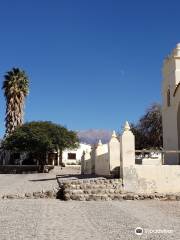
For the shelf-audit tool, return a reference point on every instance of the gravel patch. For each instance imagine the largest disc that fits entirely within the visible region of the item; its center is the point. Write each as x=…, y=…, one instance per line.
x=36, y=182
x=53, y=219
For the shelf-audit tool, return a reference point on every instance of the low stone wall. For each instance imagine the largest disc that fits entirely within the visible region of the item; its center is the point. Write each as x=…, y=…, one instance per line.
x=33, y=195
x=102, y=189
x=96, y=189
x=90, y=189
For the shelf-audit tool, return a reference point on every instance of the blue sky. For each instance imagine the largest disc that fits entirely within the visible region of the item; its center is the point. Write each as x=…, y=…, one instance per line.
x=91, y=63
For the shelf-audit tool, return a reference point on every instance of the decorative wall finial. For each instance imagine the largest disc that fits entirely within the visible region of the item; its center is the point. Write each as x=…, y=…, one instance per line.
x=99, y=143
x=126, y=126
x=178, y=45
x=113, y=134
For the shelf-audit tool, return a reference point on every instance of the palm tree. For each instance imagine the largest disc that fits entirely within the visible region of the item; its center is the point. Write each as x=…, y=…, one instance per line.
x=16, y=88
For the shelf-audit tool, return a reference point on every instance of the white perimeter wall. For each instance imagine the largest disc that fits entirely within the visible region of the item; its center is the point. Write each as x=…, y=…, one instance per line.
x=150, y=179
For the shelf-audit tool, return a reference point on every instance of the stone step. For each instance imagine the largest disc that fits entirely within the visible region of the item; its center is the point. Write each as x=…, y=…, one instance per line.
x=91, y=189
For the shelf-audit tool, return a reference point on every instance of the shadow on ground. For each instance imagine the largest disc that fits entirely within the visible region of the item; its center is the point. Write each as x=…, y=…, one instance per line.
x=75, y=176
x=43, y=179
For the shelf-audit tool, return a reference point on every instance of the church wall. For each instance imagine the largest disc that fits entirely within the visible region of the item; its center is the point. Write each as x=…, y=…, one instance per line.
x=170, y=134
x=171, y=77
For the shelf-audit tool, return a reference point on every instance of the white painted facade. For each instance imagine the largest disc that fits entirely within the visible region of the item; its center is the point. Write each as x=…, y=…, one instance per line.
x=73, y=156
x=103, y=159
x=171, y=105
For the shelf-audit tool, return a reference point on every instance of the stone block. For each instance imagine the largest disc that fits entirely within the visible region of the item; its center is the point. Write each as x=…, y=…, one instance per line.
x=81, y=198
x=49, y=194
x=128, y=197
x=77, y=192
x=73, y=186
x=151, y=196
x=74, y=197
x=141, y=196
x=86, y=196
x=177, y=197
x=118, y=197
x=160, y=195
x=96, y=197
x=87, y=191
x=111, y=196
x=104, y=197
x=91, y=197
x=37, y=194
x=116, y=191
x=21, y=196
x=67, y=197
x=136, y=197
x=28, y=195
x=88, y=186
x=106, y=191
x=111, y=191
x=11, y=196
x=171, y=197
x=93, y=191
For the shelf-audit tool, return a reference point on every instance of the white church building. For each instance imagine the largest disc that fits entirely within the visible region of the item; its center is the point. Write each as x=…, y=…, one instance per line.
x=171, y=105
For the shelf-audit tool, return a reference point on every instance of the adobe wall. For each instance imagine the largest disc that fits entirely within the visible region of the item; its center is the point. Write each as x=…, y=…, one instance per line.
x=145, y=178
x=102, y=160
x=150, y=179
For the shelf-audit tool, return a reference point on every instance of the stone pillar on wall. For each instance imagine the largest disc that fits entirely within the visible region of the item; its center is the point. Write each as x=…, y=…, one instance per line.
x=102, y=167
x=127, y=163
x=93, y=156
x=86, y=162
x=114, y=152
x=82, y=163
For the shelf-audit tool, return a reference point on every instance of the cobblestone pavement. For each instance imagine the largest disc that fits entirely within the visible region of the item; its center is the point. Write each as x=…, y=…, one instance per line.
x=22, y=183
x=53, y=220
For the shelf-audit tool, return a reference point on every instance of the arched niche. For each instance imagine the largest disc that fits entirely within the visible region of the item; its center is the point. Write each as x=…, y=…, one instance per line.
x=168, y=98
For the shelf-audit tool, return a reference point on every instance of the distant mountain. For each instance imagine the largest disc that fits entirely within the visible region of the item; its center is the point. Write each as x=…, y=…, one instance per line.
x=92, y=136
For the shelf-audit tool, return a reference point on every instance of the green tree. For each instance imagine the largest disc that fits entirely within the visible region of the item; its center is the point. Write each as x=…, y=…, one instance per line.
x=148, y=130
x=16, y=88
x=41, y=137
